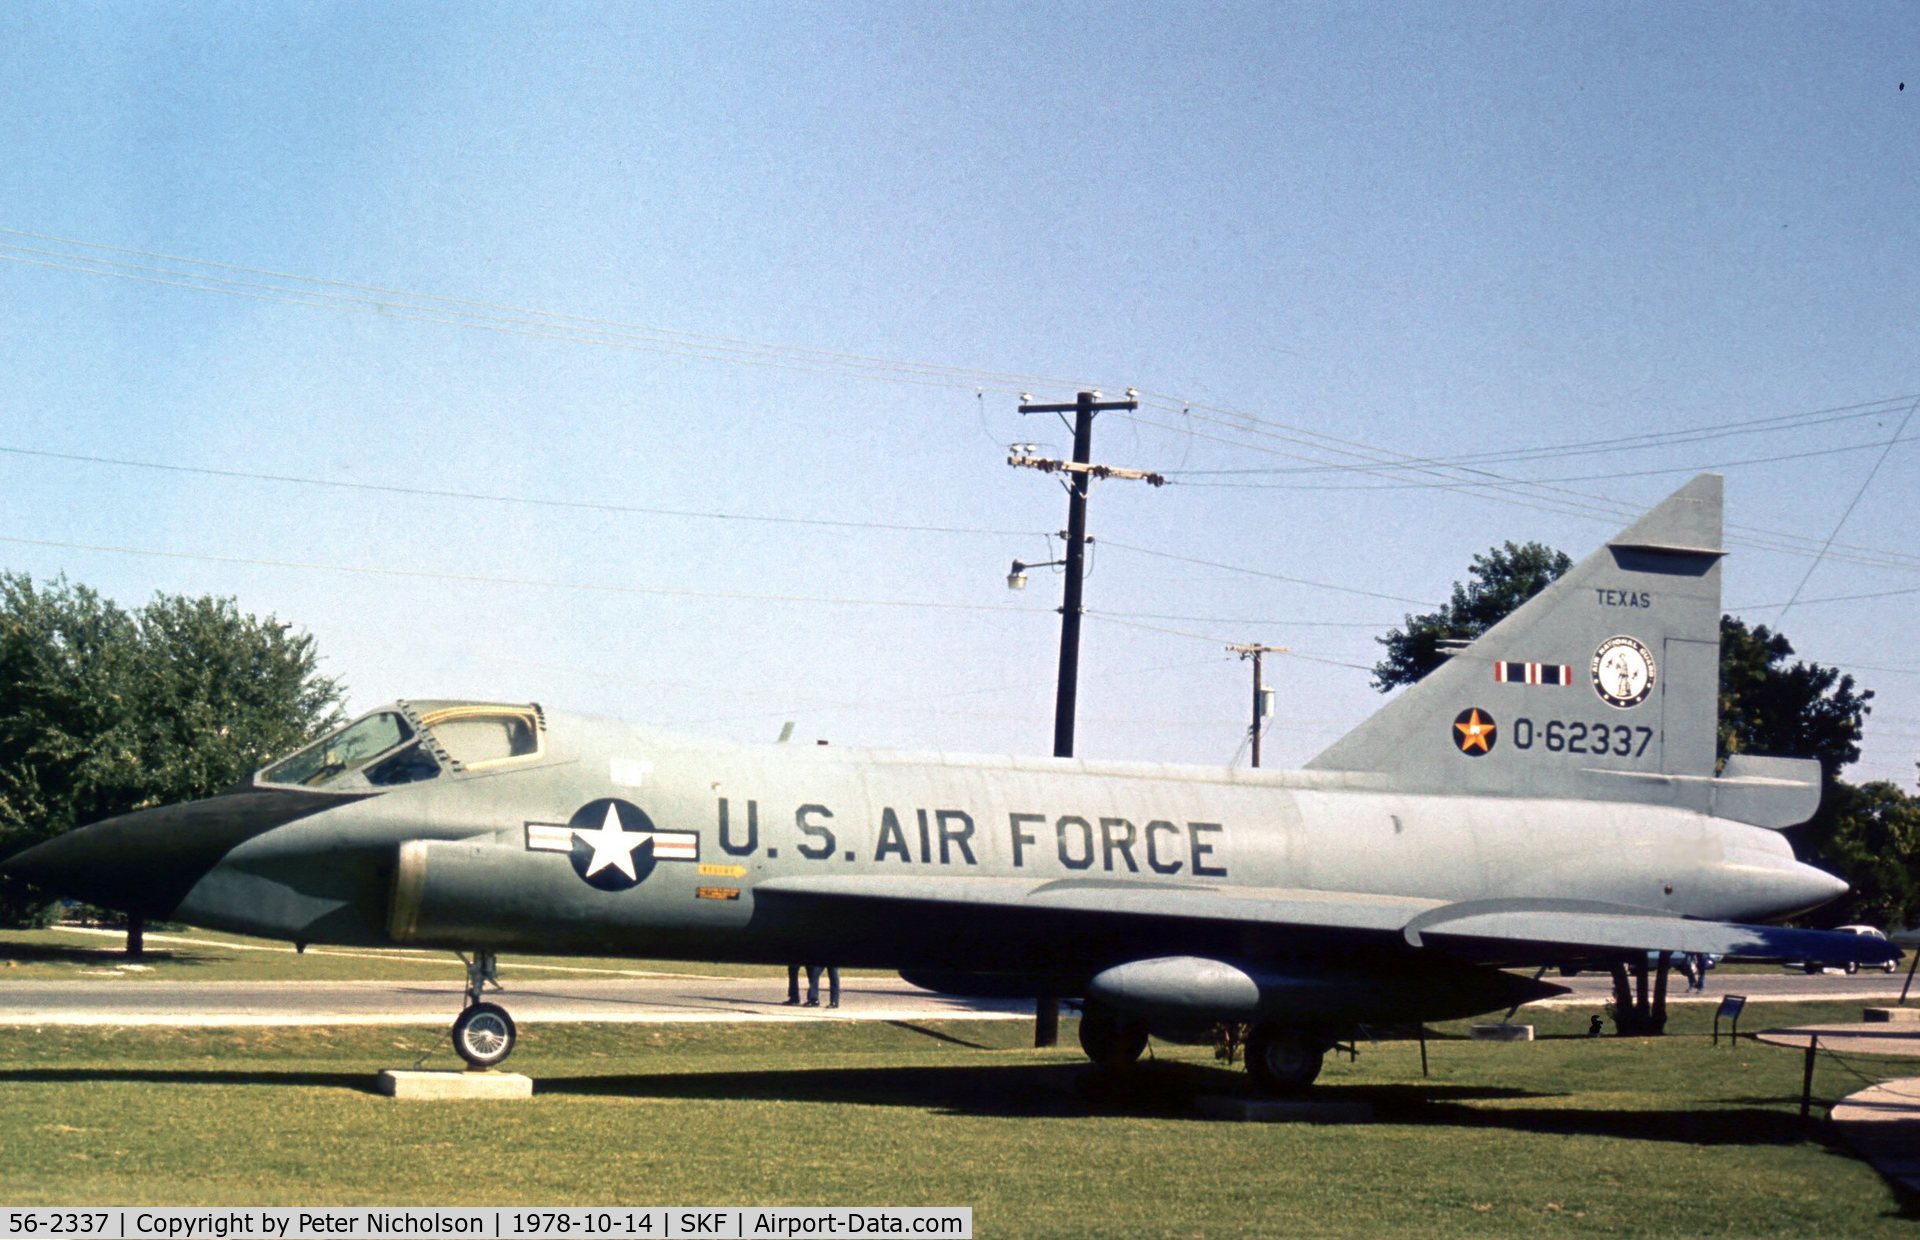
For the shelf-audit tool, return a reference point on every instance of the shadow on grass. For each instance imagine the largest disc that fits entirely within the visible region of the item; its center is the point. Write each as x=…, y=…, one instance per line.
x=1168, y=1091
x=358, y=1082
x=1066, y=1091
x=938, y=1035
x=1153, y=1089
x=44, y=953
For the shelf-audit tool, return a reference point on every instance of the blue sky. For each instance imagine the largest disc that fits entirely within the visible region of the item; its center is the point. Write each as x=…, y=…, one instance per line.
x=1311, y=235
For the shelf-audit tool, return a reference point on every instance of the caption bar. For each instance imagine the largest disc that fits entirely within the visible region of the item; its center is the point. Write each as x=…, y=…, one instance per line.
x=488, y=1223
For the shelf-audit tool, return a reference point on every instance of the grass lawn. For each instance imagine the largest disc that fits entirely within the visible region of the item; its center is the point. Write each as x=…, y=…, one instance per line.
x=1565, y=1135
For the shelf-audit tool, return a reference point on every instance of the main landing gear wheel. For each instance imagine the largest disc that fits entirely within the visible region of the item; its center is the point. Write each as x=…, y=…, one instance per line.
x=1283, y=1060
x=484, y=1034
x=1112, y=1041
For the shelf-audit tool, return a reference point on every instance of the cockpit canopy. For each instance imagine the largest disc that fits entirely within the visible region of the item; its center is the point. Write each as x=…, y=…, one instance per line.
x=413, y=741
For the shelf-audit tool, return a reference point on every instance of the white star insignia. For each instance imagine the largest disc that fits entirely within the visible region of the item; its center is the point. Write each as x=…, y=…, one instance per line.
x=613, y=845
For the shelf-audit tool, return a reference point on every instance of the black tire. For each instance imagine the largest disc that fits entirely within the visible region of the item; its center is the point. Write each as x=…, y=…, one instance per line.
x=1112, y=1041
x=1887, y=967
x=1284, y=1060
x=1853, y=967
x=1811, y=968
x=484, y=1035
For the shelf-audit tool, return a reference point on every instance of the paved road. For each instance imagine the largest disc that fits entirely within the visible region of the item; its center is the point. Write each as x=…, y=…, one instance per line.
x=1837, y=987
x=131, y=1001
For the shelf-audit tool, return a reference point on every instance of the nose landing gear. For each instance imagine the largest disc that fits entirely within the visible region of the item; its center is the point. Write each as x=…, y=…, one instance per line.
x=484, y=1034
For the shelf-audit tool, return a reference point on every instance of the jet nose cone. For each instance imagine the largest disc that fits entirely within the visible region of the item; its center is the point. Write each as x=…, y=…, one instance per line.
x=1805, y=887
x=94, y=864
x=146, y=862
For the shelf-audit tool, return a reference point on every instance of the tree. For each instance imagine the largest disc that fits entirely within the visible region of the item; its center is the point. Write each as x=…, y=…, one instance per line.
x=1501, y=580
x=1869, y=835
x=103, y=711
x=1766, y=707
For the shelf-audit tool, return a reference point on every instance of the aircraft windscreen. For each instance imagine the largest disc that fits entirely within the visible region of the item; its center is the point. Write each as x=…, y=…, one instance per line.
x=346, y=750
x=478, y=738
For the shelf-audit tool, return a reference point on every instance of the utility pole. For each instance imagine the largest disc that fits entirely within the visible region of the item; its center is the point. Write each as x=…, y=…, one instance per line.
x=1080, y=473
x=1262, y=696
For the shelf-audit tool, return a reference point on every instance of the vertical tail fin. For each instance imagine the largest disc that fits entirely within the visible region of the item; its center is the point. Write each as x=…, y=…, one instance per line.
x=1605, y=685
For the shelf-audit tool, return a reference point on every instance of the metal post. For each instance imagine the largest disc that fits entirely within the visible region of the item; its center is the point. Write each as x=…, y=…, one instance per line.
x=1806, y=1080
x=1909, y=982
x=1658, y=1015
x=1423, y=1050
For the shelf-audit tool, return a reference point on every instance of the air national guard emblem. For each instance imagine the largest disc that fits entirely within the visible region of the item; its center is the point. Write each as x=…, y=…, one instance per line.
x=1623, y=672
x=1474, y=732
x=613, y=844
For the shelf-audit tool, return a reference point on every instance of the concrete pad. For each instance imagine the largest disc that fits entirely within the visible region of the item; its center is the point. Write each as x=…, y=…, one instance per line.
x=1891, y=1015
x=1882, y=1124
x=1283, y=1110
x=406, y=1083
x=1502, y=1033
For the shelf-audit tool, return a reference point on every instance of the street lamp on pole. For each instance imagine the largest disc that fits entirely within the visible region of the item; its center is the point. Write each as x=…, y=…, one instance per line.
x=1017, y=577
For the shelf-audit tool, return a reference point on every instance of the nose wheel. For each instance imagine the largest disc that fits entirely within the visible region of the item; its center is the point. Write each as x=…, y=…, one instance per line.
x=484, y=1034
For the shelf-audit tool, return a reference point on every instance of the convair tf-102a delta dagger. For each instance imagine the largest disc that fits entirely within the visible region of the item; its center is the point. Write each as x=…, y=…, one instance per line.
x=1546, y=798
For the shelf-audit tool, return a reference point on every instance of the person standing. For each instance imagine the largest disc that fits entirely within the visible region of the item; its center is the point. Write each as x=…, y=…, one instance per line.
x=833, y=985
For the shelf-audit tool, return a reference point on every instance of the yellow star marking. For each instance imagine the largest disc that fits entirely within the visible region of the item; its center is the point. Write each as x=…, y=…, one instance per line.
x=1473, y=733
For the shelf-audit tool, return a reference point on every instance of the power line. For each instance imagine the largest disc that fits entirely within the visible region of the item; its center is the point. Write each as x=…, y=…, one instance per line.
x=715, y=515
x=1255, y=572
x=526, y=500
x=1112, y=618
x=1464, y=484
x=207, y=276
x=374, y=570
x=1628, y=443
x=1538, y=497
x=1851, y=505
x=1376, y=626
x=377, y=570
x=264, y=284
x=593, y=506
x=1832, y=598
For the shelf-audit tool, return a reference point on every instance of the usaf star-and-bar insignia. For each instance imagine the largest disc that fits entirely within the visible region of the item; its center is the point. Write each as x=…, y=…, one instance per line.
x=612, y=843
x=1474, y=732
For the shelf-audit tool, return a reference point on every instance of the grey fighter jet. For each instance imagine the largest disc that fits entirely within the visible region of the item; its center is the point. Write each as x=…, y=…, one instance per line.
x=1546, y=798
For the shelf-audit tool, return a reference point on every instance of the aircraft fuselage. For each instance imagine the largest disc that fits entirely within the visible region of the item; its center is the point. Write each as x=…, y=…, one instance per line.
x=525, y=860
